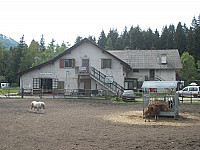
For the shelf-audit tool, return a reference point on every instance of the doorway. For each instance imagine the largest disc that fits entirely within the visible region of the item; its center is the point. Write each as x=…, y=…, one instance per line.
x=152, y=74
x=46, y=84
x=85, y=84
x=85, y=63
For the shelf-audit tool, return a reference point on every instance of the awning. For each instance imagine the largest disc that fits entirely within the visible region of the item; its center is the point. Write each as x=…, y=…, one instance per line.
x=159, y=84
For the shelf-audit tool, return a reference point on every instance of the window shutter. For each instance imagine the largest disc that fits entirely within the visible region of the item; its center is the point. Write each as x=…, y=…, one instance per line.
x=62, y=63
x=73, y=63
x=101, y=63
x=110, y=63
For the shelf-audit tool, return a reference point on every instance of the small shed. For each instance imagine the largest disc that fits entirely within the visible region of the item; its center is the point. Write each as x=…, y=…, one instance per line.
x=157, y=92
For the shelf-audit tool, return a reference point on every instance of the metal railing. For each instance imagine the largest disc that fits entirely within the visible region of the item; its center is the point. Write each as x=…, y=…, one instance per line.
x=155, y=78
x=102, y=78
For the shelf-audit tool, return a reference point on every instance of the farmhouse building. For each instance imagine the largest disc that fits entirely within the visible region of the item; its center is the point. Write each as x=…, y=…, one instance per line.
x=87, y=66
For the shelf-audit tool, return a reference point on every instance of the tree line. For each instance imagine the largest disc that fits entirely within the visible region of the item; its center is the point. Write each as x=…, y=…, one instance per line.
x=24, y=57
x=185, y=39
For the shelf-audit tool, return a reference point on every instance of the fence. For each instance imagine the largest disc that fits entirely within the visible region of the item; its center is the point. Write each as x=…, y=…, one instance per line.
x=8, y=92
x=188, y=97
x=65, y=93
x=79, y=93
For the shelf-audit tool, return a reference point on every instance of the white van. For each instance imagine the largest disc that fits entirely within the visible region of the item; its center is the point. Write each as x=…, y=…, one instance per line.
x=5, y=85
x=188, y=90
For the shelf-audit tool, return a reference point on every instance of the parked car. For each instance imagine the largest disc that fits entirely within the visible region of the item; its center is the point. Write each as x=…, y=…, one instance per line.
x=128, y=95
x=188, y=90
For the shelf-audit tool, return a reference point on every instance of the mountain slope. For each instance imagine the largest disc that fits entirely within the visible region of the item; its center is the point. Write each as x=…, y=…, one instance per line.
x=7, y=42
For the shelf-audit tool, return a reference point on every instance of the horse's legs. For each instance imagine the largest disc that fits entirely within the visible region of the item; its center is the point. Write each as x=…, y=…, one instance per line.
x=31, y=107
x=156, y=117
x=37, y=109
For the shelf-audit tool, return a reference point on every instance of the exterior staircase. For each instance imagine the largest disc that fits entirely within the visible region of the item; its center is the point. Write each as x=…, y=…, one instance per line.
x=158, y=78
x=101, y=78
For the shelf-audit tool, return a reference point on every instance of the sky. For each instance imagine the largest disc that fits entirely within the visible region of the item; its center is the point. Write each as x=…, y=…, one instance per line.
x=64, y=20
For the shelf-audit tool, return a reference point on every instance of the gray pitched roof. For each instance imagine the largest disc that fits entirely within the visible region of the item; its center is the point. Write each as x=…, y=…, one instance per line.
x=149, y=59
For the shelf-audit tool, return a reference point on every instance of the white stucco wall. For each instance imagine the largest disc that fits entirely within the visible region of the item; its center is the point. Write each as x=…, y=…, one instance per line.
x=167, y=75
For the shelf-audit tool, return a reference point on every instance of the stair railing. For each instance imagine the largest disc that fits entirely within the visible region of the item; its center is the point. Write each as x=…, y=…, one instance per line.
x=101, y=77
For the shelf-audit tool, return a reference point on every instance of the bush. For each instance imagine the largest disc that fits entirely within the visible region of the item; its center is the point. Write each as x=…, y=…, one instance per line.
x=14, y=85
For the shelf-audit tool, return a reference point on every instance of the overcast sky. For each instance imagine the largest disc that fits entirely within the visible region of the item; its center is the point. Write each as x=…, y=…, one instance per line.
x=64, y=20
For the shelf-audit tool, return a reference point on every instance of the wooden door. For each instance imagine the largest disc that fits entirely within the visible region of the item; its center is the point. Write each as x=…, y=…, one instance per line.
x=87, y=84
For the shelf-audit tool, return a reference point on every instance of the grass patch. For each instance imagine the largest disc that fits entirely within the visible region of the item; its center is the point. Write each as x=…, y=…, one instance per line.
x=9, y=90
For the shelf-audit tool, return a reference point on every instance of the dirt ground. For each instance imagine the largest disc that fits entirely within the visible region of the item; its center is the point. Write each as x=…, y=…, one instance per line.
x=94, y=124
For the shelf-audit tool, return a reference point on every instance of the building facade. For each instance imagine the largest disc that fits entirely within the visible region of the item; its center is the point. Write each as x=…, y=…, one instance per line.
x=86, y=66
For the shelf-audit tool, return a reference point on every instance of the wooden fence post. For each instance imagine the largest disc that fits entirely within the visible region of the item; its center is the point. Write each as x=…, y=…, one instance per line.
x=22, y=92
x=182, y=98
x=191, y=98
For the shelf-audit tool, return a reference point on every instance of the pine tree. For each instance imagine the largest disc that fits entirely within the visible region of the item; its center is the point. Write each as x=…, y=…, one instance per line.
x=135, y=35
x=19, y=52
x=147, y=39
x=78, y=39
x=42, y=44
x=33, y=54
x=163, y=38
x=197, y=39
x=170, y=37
x=92, y=38
x=119, y=44
x=125, y=39
x=28, y=56
x=12, y=66
x=191, y=42
x=180, y=39
x=113, y=35
x=1, y=59
x=109, y=44
x=156, y=40
x=102, y=40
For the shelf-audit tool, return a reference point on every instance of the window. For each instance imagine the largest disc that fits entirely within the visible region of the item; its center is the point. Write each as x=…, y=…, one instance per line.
x=45, y=83
x=67, y=63
x=60, y=84
x=193, y=89
x=55, y=83
x=36, y=83
x=163, y=59
x=105, y=63
x=185, y=89
x=135, y=70
x=130, y=84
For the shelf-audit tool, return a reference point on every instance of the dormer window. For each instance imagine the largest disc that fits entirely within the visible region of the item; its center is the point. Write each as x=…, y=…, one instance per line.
x=163, y=59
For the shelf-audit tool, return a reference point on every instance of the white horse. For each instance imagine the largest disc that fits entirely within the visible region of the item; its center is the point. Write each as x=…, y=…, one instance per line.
x=37, y=105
